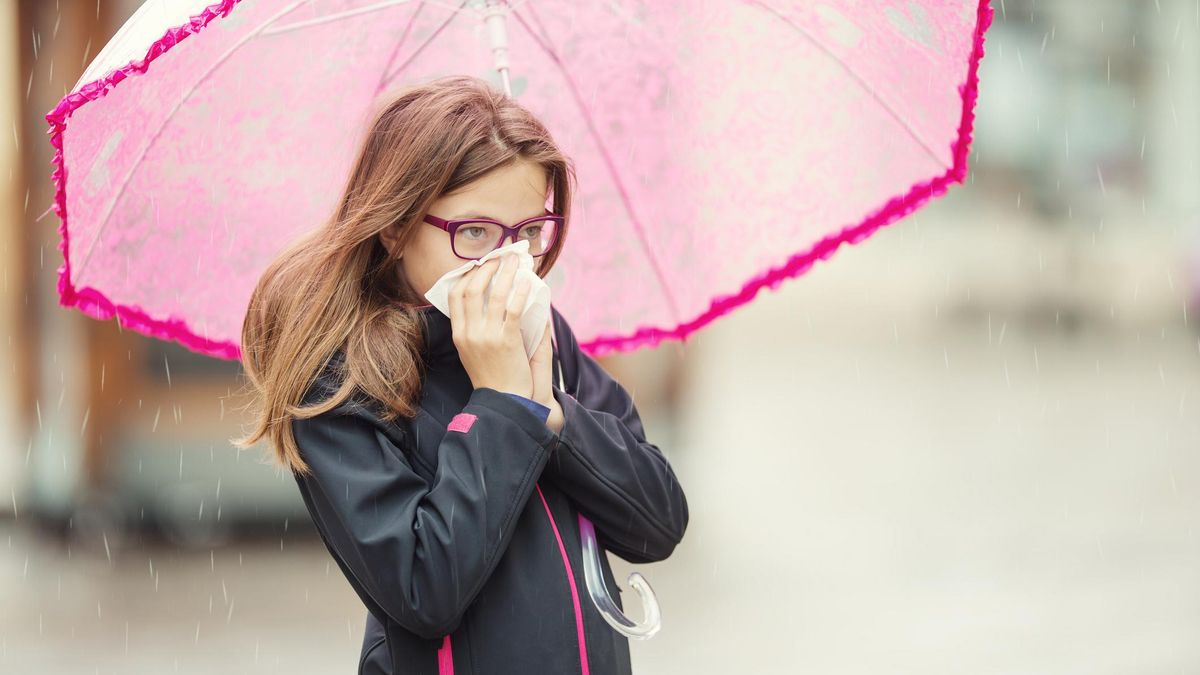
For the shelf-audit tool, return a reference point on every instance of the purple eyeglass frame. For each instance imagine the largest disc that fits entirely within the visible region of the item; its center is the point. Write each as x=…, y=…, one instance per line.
x=451, y=227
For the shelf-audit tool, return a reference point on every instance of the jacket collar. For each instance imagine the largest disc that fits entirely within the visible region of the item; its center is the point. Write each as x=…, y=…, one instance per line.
x=439, y=338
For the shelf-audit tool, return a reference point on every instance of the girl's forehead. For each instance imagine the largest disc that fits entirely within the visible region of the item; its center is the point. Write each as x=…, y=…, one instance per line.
x=502, y=194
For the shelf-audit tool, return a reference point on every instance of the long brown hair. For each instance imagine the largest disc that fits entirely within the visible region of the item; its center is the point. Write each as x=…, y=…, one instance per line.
x=337, y=288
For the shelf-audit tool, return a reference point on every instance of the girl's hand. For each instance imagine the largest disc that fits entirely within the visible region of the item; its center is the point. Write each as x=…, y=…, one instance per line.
x=489, y=343
x=542, y=372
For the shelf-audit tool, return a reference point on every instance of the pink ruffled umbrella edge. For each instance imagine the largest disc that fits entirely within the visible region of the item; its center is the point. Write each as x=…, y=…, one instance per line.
x=91, y=301
x=893, y=210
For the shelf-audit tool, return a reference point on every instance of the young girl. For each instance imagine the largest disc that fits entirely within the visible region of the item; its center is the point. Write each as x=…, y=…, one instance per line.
x=443, y=470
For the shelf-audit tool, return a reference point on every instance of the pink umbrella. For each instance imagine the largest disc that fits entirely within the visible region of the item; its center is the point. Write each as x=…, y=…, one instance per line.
x=720, y=146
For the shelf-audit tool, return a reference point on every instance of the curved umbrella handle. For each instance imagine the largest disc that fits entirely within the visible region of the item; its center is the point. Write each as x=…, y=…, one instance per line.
x=601, y=598
x=652, y=619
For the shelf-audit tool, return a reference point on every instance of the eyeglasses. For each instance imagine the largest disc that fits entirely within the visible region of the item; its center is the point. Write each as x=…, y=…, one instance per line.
x=473, y=238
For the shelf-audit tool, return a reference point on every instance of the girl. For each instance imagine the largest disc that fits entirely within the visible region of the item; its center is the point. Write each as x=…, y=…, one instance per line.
x=444, y=472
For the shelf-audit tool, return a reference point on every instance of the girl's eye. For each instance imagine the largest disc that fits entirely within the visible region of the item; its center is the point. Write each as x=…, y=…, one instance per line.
x=479, y=231
x=532, y=232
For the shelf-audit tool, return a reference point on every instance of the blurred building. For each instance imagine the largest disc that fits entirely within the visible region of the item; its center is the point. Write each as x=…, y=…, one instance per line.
x=113, y=433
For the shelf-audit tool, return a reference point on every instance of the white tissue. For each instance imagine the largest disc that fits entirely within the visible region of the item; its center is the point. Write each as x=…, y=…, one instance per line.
x=537, y=303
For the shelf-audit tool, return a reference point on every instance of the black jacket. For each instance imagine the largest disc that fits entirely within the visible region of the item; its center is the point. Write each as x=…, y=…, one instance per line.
x=459, y=528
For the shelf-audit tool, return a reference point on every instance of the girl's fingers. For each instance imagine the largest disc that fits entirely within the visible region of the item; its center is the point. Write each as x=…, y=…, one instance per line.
x=497, y=305
x=541, y=367
x=473, y=295
x=516, y=306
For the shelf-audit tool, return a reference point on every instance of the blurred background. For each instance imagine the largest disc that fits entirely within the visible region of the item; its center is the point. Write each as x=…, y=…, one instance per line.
x=968, y=443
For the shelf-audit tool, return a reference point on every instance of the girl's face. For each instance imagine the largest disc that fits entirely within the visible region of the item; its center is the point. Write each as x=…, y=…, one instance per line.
x=508, y=194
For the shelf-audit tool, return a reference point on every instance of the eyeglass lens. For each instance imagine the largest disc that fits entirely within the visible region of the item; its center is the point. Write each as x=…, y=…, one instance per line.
x=476, y=239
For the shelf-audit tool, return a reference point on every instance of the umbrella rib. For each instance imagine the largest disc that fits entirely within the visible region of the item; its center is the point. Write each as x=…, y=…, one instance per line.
x=612, y=169
x=388, y=77
x=163, y=125
x=857, y=78
x=383, y=77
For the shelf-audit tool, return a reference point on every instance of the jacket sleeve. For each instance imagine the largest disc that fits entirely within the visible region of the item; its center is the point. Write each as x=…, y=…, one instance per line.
x=617, y=479
x=419, y=551
x=542, y=411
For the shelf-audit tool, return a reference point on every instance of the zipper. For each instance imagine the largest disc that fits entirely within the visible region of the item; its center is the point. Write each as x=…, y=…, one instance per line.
x=583, y=660
x=445, y=658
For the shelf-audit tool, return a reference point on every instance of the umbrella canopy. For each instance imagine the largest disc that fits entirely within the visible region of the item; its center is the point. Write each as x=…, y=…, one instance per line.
x=720, y=146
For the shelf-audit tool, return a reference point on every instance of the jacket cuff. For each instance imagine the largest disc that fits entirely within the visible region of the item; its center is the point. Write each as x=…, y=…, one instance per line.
x=538, y=409
x=516, y=411
x=570, y=408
